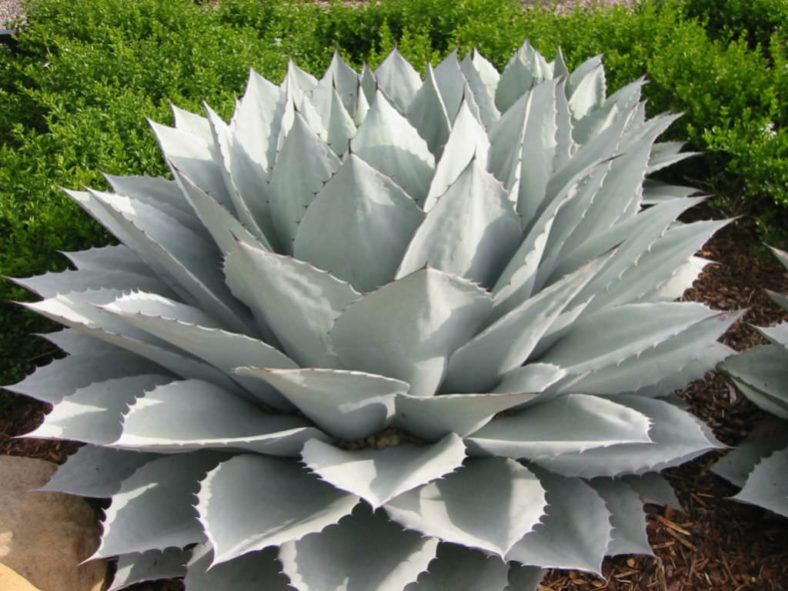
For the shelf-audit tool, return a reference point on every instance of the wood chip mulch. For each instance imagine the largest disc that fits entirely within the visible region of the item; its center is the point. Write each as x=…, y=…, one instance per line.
x=709, y=543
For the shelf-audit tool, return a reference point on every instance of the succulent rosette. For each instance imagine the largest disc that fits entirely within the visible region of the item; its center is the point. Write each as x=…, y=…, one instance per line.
x=759, y=465
x=385, y=332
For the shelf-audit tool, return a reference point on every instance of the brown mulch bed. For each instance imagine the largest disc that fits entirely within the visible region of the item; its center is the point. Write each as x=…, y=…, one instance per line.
x=709, y=543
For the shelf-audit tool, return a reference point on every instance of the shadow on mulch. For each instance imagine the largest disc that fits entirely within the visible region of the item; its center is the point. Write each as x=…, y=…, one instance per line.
x=709, y=543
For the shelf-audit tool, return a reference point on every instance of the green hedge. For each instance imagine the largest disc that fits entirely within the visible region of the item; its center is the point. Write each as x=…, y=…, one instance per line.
x=90, y=72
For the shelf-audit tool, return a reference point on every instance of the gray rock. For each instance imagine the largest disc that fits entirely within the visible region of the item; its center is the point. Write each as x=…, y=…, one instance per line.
x=45, y=536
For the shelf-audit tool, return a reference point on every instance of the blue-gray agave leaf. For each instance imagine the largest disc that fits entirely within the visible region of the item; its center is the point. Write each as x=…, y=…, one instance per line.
x=760, y=464
x=385, y=332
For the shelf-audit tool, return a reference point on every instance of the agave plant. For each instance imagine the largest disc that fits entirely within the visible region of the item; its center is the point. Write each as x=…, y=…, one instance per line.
x=760, y=464
x=385, y=332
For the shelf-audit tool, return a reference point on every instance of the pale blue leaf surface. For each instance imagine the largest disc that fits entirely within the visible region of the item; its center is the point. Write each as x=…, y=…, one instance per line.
x=569, y=423
x=192, y=123
x=398, y=80
x=429, y=114
x=487, y=73
x=471, y=231
x=149, y=566
x=252, y=501
x=189, y=415
x=451, y=83
x=363, y=551
x=763, y=368
x=303, y=165
x=197, y=157
x=477, y=87
x=50, y=284
x=478, y=365
x=586, y=87
x=222, y=225
x=82, y=311
x=387, y=141
x=652, y=487
x=458, y=567
x=62, y=377
x=612, y=335
x=299, y=302
x=573, y=534
x=93, y=414
x=626, y=516
x=408, y=328
x=347, y=404
x=94, y=471
x=676, y=437
x=525, y=578
x=538, y=148
x=344, y=79
x=183, y=326
x=159, y=192
x=487, y=504
x=153, y=510
x=242, y=182
x=251, y=572
x=189, y=263
x=436, y=416
x=665, y=367
x=358, y=226
x=379, y=475
x=467, y=140
x=768, y=436
x=526, y=68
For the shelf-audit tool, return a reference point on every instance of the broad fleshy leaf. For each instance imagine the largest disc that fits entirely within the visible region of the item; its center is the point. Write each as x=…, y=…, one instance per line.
x=299, y=302
x=767, y=437
x=62, y=377
x=93, y=414
x=434, y=417
x=765, y=485
x=388, y=141
x=513, y=503
x=429, y=114
x=363, y=551
x=569, y=423
x=573, y=531
x=358, y=226
x=153, y=508
x=458, y=567
x=408, y=328
x=346, y=404
x=186, y=328
x=676, y=437
x=191, y=414
x=379, y=475
x=508, y=342
x=471, y=231
x=94, y=471
x=626, y=516
x=762, y=370
x=467, y=140
x=398, y=79
x=285, y=504
x=293, y=185
x=149, y=566
x=250, y=572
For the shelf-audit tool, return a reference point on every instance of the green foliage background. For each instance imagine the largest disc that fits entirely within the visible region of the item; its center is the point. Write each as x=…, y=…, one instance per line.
x=75, y=99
